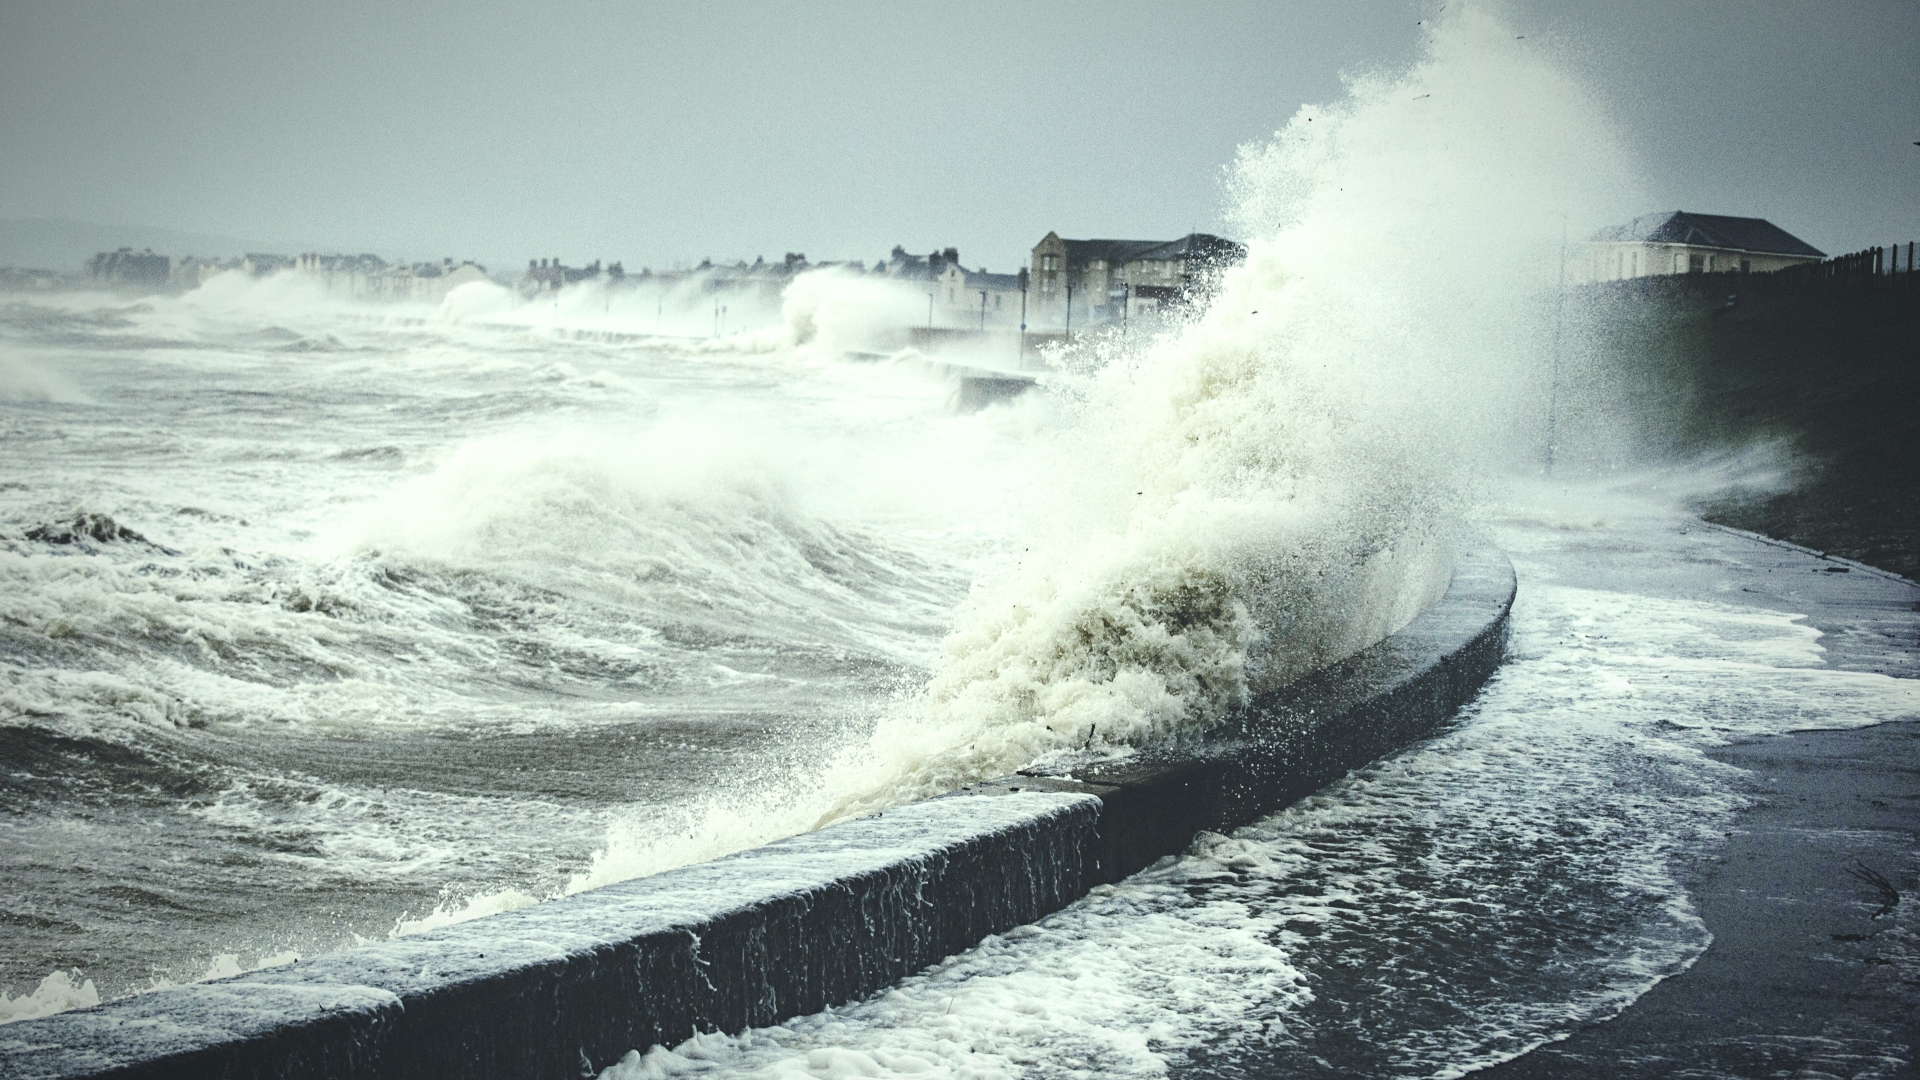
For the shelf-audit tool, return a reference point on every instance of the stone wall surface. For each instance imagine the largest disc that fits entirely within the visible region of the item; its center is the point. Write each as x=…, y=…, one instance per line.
x=564, y=988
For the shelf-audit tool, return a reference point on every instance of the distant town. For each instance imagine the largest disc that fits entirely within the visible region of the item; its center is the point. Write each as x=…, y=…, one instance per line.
x=1066, y=284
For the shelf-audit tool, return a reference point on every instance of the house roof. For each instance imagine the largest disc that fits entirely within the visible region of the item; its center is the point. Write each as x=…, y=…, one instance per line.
x=1192, y=245
x=1081, y=251
x=1757, y=235
x=980, y=279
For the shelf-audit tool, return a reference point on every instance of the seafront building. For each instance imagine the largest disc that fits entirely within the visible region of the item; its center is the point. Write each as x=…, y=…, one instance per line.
x=976, y=297
x=369, y=277
x=363, y=277
x=127, y=267
x=1081, y=282
x=1679, y=242
x=1078, y=282
x=1068, y=284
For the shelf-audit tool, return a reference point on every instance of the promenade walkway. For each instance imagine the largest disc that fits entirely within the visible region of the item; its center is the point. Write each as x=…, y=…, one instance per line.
x=1813, y=968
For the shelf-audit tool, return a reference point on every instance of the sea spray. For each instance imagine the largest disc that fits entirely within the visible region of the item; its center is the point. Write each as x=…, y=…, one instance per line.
x=1271, y=484
x=1298, y=450
x=58, y=992
x=423, y=606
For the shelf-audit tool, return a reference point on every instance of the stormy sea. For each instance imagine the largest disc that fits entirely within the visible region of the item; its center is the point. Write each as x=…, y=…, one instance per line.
x=325, y=621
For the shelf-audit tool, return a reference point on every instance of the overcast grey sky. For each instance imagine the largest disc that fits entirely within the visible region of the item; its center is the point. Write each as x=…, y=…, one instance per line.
x=656, y=133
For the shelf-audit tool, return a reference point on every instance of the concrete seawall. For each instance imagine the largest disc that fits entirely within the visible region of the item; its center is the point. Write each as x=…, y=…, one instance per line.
x=567, y=987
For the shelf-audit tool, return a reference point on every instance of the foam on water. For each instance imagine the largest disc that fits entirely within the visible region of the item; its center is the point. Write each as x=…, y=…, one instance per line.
x=303, y=599
x=1451, y=907
x=58, y=992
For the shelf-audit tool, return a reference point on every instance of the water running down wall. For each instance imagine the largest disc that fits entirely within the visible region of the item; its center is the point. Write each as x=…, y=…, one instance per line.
x=565, y=988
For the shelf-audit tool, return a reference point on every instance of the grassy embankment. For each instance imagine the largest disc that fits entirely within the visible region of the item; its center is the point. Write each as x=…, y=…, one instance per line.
x=1831, y=370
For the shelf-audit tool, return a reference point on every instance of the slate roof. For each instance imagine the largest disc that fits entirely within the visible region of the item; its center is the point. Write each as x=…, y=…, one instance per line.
x=1192, y=245
x=1758, y=235
x=1196, y=246
x=980, y=279
x=1114, y=251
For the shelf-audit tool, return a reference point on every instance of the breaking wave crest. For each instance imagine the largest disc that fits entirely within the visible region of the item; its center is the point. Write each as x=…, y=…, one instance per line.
x=1271, y=485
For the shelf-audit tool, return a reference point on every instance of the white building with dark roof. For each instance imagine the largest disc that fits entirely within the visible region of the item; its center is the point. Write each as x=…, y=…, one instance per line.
x=1108, y=280
x=976, y=298
x=1679, y=242
x=127, y=267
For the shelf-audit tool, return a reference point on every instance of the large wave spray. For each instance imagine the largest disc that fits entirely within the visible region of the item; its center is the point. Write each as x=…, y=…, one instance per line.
x=1272, y=485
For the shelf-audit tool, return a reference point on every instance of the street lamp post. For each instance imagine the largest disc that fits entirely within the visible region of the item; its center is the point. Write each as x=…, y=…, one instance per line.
x=1553, y=376
x=1021, y=356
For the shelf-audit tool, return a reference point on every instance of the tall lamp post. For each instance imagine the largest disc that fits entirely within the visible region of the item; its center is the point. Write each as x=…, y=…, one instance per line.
x=1021, y=356
x=1553, y=377
x=1069, y=311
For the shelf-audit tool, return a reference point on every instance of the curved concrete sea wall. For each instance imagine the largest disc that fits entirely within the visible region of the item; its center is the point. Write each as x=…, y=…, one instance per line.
x=565, y=988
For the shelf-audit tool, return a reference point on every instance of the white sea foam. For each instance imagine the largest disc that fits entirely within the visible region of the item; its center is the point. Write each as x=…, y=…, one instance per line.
x=1442, y=910
x=58, y=992
x=832, y=311
x=1312, y=431
x=375, y=538
x=685, y=312
x=22, y=379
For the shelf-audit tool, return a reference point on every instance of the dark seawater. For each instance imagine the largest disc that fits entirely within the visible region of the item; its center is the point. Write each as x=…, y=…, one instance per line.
x=1499, y=886
x=320, y=622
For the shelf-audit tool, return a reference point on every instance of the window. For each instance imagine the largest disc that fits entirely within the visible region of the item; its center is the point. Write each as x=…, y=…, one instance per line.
x=1049, y=262
x=1696, y=263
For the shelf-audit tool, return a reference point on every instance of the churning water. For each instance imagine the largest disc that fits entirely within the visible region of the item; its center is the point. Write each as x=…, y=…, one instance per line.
x=1497, y=887
x=316, y=621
